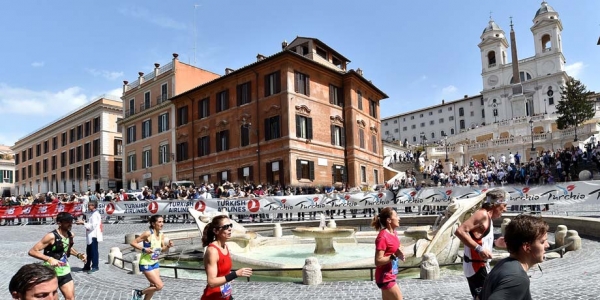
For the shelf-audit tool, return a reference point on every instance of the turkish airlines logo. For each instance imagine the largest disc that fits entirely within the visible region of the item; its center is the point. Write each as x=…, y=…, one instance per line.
x=153, y=207
x=43, y=209
x=78, y=207
x=253, y=205
x=110, y=208
x=61, y=208
x=10, y=211
x=200, y=206
x=27, y=210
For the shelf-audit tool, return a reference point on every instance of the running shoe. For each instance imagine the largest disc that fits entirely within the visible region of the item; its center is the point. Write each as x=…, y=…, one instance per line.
x=136, y=295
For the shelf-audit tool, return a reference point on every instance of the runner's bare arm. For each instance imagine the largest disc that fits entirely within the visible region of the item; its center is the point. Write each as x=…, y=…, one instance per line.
x=36, y=250
x=210, y=264
x=136, y=243
x=477, y=220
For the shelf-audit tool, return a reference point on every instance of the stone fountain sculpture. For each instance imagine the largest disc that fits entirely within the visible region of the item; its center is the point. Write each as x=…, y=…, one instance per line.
x=323, y=235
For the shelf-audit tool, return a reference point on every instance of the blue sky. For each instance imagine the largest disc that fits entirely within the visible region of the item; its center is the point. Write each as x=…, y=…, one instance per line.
x=59, y=55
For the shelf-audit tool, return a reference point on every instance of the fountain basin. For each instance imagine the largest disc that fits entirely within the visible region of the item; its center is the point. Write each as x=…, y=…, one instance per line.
x=323, y=236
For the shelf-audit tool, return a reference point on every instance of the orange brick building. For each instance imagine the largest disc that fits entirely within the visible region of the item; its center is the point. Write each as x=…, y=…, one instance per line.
x=79, y=152
x=295, y=118
x=148, y=121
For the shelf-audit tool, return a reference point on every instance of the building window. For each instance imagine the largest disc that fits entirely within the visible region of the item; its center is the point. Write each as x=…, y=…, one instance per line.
x=147, y=103
x=45, y=147
x=131, y=163
x=461, y=112
x=472, y=113
x=374, y=143
x=338, y=173
x=471, y=103
x=338, y=137
x=304, y=127
x=7, y=176
x=164, y=92
x=87, y=128
x=79, y=153
x=163, y=154
x=420, y=115
x=363, y=174
x=182, y=115
x=118, y=147
x=396, y=130
x=413, y=126
x=146, y=158
x=524, y=76
x=203, y=108
x=451, y=118
x=87, y=150
x=431, y=122
x=550, y=100
x=481, y=101
x=385, y=124
x=30, y=174
x=431, y=113
x=182, y=151
x=244, y=136
x=38, y=150
x=63, y=159
x=439, y=111
x=96, y=124
x=441, y=120
x=163, y=122
x=203, y=145
x=422, y=124
x=79, y=132
x=45, y=165
x=359, y=100
x=361, y=138
x=376, y=176
x=305, y=169
x=30, y=153
x=395, y=121
x=131, y=109
x=130, y=134
x=63, y=139
x=404, y=128
x=483, y=113
x=335, y=95
x=222, y=140
x=302, y=83
x=146, y=129
x=96, y=147
x=451, y=130
x=243, y=93
x=462, y=124
x=387, y=132
x=272, y=84
x=433, y=135
x=450, y=108
x=272, y=130
x=412, y=117
x=372, y=108
x=223, y=100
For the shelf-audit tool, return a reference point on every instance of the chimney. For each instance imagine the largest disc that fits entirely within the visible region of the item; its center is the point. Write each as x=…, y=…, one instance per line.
x=359, y=71
x=466, y=96
x=141, y=78
x=156, y=66
x=125, y=86
x=175, y=55
x=228, y=71
x=284, y=44
x=443, y=101
x=260, y=57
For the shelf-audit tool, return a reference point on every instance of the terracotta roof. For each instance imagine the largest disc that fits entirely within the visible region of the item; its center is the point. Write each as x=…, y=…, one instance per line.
x=324, y=45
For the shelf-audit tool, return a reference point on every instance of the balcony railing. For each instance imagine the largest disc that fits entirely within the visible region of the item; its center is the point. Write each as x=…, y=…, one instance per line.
x=129, y=112
x=161, y=98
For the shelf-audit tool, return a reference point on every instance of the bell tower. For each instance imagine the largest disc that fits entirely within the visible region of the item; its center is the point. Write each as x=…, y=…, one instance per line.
x=493, y=47
x=547, y=29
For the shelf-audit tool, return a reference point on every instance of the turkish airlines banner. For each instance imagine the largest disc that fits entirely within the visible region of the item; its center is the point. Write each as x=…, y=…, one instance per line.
x=560, y=194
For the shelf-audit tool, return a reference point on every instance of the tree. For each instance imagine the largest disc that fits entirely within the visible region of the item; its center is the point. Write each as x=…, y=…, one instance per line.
x=574, y=106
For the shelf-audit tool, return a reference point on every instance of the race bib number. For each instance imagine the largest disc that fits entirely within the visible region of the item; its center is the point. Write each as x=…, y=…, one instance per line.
x=155, y=254
x=395, y=266
x=63, y=260
x=226, y=290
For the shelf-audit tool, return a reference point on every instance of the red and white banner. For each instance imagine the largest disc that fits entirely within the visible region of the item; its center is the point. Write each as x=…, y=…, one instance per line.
x=559, y=194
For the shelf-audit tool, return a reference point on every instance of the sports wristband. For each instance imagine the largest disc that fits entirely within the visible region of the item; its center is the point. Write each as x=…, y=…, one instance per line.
x=478, y=249
x=231, y=276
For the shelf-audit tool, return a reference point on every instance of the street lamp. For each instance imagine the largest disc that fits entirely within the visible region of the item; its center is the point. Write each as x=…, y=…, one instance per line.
x=545, y=110
x=423, y=139
x=531, y=126
x=446, y=144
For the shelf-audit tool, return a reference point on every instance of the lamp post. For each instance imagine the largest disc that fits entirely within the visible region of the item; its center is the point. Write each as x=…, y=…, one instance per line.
x=446, y=144
x=423, y=144
x=545, y=110
x=531, y=127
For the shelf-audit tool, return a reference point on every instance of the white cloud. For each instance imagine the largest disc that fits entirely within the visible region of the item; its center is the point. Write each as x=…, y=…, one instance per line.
x=449, y=90
x=574, y=69
x=22, y=101
x=153, y=18
x=106, y=74
x=38, y=64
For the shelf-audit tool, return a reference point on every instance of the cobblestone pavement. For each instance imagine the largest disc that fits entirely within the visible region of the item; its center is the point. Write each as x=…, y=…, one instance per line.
x=573, y=277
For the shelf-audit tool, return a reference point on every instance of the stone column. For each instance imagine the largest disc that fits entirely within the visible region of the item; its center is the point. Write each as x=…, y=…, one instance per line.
x=430, y=268
x=136, y=264
x=311, y=272
x=573, y=236
x=277, y=230
x=115, y=252
x=559, y=235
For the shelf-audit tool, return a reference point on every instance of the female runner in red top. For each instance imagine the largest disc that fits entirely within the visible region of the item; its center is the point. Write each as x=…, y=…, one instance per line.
x=387, y=253
x=217, y=261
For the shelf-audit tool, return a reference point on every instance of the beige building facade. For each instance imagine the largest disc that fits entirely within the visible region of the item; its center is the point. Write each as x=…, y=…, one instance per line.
x=149, y=121
x=7, y=171
x=78, y=152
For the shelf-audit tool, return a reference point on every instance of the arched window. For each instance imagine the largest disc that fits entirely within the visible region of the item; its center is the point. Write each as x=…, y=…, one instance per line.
x=433, y=135
x=451, y=130
x=414, y=139
x=546, y=43
x=491, y=56
x=524, y=77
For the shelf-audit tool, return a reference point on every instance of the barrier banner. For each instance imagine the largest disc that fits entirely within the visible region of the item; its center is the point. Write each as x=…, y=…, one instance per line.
x=10, y=212
x=559, y=194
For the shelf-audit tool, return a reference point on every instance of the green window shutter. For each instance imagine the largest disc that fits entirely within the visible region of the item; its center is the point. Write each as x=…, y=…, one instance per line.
x=309, y=129
x=311, y=170
x=298, y=169
x=298, y=126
